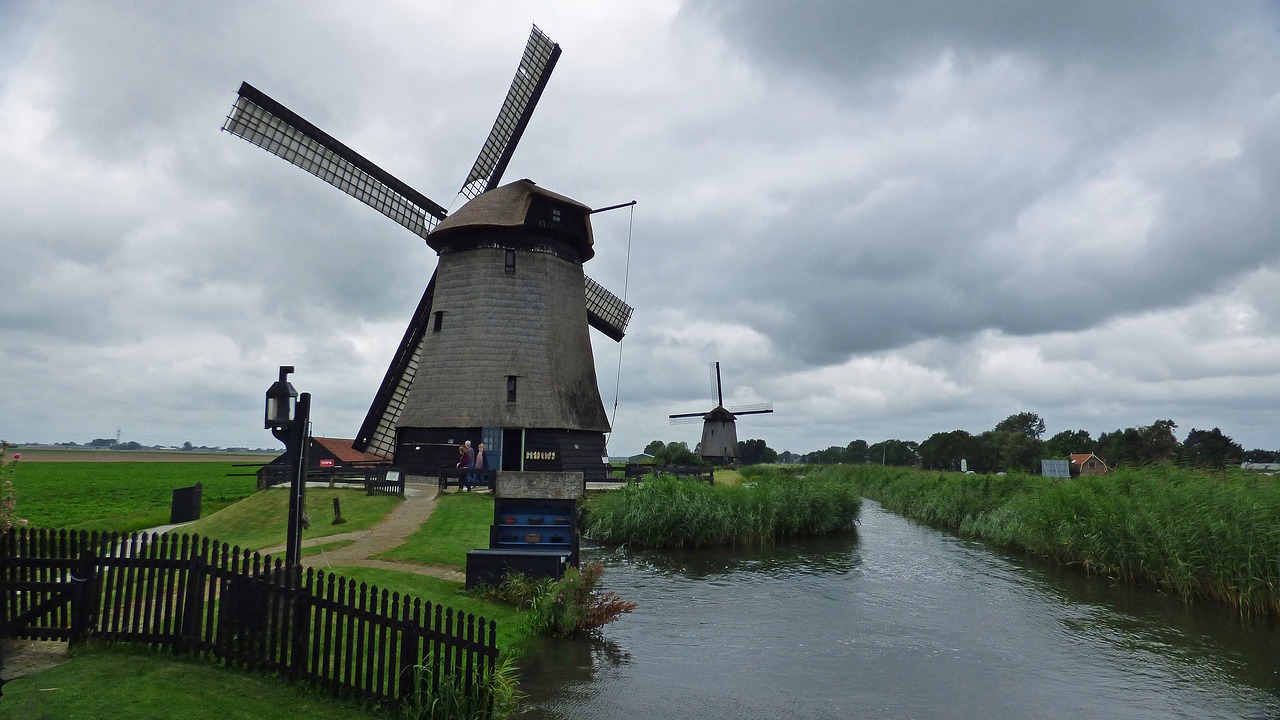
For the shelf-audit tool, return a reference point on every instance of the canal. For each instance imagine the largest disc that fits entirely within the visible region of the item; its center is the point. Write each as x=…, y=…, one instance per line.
x=902, y=622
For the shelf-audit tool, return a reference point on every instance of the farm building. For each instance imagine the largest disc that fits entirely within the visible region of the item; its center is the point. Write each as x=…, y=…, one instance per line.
x=1088, y=464
x=324, y=455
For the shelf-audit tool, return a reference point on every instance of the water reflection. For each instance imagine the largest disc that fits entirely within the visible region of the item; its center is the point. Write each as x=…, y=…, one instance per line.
x=835, y=554
x=904, y=621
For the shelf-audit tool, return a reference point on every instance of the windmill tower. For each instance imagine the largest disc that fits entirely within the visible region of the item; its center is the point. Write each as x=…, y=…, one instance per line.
x=719, y=444
x=498, y=349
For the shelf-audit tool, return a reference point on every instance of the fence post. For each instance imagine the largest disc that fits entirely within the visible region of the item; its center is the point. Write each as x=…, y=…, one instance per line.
x=299, y=594
x=84, y=600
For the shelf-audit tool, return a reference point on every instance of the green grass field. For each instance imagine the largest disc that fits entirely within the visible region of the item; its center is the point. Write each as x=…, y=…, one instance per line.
x=124, y=496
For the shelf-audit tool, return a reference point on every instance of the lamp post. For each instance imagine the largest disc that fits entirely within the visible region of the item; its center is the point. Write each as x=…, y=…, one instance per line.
x=288, y=417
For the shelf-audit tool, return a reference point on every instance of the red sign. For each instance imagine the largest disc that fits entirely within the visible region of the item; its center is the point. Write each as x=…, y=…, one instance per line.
x=326, y=462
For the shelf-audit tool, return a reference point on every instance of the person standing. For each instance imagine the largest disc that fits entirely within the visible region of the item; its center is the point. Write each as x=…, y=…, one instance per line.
x=464, y=463
x=479, y=464
x=471, y=466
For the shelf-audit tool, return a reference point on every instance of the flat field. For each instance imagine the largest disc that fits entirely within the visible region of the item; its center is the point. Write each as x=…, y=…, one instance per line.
x=43, y=455
x=124, y=496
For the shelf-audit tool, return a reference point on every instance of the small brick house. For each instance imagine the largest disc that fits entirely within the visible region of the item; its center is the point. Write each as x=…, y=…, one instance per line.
x=1088, y=464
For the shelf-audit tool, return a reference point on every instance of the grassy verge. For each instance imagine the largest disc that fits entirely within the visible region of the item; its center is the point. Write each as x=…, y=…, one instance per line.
x=459, y=523
x=446, y=593
x=665, y=512
x=124, y=496
x=262, y=520
x=1193, y=533
x=128, y=683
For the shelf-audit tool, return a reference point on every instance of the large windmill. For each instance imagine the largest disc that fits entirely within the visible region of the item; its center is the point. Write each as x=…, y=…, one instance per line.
x=719, y=444
x=498, y=349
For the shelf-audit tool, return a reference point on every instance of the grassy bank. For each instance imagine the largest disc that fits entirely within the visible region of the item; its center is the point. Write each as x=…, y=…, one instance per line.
x=1195, y=534
x=665, y=512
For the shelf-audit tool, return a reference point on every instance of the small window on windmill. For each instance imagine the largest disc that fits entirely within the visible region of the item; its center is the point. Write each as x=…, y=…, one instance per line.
x=510, y=260
x=437, y=320
x=511, y=388
x=555, y=215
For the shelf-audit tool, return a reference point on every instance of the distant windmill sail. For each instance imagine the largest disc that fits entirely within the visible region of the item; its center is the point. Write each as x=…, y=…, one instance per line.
x=719, y=443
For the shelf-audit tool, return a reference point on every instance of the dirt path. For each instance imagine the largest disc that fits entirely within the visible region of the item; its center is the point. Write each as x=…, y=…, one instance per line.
x=402, y=522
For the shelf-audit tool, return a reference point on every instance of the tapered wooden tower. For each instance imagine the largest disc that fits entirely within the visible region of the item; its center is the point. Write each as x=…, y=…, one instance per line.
x=508, y=343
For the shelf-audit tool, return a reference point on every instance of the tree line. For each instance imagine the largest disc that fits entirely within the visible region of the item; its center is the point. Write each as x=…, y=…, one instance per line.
x=1016, y=444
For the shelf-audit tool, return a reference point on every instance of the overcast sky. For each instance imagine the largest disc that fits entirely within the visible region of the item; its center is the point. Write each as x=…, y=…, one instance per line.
x=887, y=219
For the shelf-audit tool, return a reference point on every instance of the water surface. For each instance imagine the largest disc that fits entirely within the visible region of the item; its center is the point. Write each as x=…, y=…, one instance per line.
x=900, y=622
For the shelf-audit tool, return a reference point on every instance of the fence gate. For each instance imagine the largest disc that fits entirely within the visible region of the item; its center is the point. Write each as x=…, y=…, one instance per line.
x=47, y=598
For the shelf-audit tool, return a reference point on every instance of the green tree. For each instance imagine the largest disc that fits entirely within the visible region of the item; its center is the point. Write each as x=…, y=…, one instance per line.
x=944, y=451
x=903, y=453
x=1067, y=443
x=1027, y=423
x=1209, y=449
x=755, y=452
x=857, y=452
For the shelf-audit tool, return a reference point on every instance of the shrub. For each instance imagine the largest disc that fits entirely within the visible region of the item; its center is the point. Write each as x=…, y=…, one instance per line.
x=564, y=607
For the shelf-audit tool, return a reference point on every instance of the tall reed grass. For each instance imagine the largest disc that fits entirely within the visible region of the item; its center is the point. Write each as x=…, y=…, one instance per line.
x=666, y=512
x=1193, y=533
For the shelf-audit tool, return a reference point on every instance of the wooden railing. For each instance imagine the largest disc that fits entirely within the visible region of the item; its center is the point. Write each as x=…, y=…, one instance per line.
x=203, y=597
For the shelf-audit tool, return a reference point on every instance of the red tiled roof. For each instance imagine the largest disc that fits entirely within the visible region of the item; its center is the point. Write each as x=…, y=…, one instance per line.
x=342, y=450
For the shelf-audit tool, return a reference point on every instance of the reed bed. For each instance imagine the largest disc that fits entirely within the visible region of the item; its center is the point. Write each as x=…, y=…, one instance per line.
x=1195, y=534
x=666, y=512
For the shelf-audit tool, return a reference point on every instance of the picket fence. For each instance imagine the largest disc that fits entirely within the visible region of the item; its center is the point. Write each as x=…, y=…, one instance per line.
x=199, y=596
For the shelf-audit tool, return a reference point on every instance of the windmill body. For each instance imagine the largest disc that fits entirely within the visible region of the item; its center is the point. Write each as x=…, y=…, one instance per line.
x=508, y=346
x=498, y=349
x=719, y=444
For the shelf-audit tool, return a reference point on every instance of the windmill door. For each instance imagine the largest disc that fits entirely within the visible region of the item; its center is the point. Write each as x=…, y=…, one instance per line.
x=492, y=439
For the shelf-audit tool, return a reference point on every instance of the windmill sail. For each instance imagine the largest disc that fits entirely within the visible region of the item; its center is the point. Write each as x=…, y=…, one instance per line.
x=378, y=432
x=607, y=312
x=539, y=59
x=282, y=132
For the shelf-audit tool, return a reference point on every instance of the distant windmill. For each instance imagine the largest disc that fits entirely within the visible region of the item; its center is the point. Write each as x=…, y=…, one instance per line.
x=719, y=444
x=498, y=348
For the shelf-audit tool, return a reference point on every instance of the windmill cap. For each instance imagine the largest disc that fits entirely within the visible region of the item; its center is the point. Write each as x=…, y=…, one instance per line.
x=521, y=205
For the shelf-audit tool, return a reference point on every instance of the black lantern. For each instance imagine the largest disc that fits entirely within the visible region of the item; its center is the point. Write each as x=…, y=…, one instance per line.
x=280, y=399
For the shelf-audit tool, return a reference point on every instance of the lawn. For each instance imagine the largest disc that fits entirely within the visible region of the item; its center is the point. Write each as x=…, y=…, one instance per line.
x=94, y=684
x=124, y=496
x=262, y=520
x=460, y=523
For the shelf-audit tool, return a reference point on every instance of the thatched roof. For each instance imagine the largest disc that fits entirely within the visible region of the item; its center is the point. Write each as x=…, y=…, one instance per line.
x=504, y=207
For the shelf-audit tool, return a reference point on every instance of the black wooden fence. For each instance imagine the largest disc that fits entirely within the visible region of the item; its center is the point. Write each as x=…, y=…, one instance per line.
x=199, y=596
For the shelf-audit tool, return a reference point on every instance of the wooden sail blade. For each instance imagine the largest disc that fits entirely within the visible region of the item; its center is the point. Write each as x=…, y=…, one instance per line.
x=378, y=432
x=539, y=59
x=752, y=409
x=686, y=419
x=281, y=132
x=607, y=312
